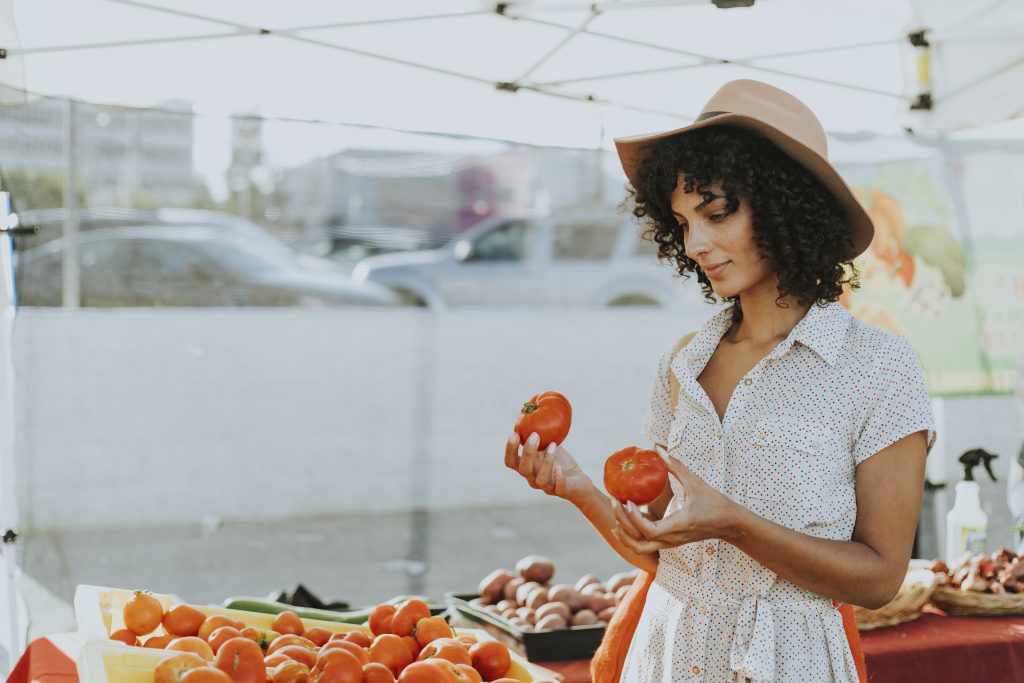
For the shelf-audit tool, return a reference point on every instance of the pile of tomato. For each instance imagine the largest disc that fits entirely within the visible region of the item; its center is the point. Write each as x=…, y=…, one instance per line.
x=406, y=645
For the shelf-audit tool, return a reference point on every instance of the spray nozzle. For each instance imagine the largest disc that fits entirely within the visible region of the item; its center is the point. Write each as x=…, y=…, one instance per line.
x=975, y=457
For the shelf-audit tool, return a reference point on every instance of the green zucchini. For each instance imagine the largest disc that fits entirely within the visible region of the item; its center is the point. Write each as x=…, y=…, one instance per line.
x=265, y=606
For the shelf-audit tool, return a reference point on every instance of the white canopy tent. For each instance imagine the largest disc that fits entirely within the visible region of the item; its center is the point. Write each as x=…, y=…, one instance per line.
x=549, y=72
x=559, y=72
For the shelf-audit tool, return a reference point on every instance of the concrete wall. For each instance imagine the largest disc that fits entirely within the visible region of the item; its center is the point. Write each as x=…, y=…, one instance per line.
x=135, y=417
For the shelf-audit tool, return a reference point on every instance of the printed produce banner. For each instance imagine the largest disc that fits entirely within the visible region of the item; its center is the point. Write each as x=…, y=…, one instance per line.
x=946, y=266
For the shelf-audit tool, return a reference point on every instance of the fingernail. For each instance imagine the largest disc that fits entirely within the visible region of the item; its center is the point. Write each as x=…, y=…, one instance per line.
x=551, y=449
x=512, y=439
x=631, y=505
x=534, y=439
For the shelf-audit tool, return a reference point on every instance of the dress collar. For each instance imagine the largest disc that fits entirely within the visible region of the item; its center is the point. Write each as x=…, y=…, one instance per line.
x=822, y=330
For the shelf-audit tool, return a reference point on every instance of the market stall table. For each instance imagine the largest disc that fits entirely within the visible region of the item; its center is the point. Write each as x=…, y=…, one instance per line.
x=935, y=648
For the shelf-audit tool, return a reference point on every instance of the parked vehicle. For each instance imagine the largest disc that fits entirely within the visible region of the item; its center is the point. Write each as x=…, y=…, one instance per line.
x=50, y=223
x=581, y=258
x=184, y=265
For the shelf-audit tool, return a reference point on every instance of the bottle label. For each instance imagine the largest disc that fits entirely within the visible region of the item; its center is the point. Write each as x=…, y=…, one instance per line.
x=972, y=539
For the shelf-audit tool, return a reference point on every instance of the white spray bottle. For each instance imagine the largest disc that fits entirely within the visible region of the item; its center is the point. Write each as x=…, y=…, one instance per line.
x=967, y=523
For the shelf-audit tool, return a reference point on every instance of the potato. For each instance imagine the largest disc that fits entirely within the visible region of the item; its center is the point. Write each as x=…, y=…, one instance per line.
x=536, y=568
x=584, y=617
x=621, y=593
x=526, y=614
x=606, y=614
x=563, y=592
x=596, y=603
x=492, y=588
x=537, y=597
x=509, y=593
x=618, y=580
x=551, y=622
x=516, y=621
x=509, y=612
x=586, y=580
x=505, y=604
x=593, y=589
x=559, y=608
x=524, y=591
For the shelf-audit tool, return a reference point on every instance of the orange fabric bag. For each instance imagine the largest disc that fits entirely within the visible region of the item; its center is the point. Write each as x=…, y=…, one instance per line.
x=606, y=665
x=610, y=657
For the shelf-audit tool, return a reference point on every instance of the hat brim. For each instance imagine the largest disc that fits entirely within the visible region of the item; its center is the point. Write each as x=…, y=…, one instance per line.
x=632, y=150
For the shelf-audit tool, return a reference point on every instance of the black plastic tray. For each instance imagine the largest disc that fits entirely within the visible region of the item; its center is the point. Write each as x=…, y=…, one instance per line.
x=575, y=642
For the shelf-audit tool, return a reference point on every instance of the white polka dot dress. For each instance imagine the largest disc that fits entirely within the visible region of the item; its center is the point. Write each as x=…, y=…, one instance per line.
x=831, y=395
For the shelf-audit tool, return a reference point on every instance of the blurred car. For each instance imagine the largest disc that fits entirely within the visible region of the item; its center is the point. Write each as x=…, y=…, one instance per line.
x=580, y=258
x=184, y=266
x=50, y=223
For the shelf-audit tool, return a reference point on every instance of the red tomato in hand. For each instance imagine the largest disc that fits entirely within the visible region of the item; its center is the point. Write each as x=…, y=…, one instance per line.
x=549, y=415
x=635, y=474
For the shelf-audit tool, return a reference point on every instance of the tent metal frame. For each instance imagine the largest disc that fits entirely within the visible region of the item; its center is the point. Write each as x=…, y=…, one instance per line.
x=513, y=11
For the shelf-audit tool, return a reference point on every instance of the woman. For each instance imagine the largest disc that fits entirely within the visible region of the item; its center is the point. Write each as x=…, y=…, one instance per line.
x=797, y=445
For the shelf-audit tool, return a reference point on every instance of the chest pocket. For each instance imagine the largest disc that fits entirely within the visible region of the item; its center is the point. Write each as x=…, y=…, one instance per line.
x=690, y=443
x=795, y=477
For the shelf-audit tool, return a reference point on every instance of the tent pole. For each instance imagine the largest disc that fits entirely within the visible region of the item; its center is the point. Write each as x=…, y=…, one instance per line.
x=8, y=502
x=71, y=298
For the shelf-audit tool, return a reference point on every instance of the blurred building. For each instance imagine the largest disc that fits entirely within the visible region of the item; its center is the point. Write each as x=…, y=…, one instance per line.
x=407, y=200
x=125, y=157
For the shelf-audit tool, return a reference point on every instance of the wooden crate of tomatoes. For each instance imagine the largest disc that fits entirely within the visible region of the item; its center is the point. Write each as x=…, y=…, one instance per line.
x=142, y=637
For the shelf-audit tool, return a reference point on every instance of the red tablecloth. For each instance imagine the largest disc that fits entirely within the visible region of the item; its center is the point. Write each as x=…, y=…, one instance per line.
x=935, y=648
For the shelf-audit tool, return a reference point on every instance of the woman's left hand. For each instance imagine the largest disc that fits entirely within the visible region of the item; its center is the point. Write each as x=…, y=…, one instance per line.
x=702, y=512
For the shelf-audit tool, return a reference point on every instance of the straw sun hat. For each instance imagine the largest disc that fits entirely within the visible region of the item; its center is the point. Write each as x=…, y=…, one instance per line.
x=786, y=122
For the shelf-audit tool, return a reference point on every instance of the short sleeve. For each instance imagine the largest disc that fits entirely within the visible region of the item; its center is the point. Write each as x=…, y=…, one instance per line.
x=898, y=401
x=658, y=419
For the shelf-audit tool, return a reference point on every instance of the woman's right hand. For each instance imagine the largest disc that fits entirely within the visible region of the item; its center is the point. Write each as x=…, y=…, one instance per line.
x=552, y=470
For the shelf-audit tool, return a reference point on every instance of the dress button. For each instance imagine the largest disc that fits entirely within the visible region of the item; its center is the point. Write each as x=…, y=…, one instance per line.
x=703, y=609
x=710, y=550
x=760, y=433
x=696, y=670
x=748, y=381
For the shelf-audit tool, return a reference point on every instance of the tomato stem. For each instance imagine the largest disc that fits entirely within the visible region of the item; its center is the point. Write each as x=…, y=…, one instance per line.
x=529, y=407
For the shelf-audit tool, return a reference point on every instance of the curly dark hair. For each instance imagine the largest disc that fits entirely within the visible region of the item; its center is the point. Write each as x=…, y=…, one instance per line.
x=799, y=227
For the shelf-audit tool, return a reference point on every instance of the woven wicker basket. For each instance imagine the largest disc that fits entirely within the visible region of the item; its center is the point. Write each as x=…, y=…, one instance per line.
x=917, y=588
x=954, y=601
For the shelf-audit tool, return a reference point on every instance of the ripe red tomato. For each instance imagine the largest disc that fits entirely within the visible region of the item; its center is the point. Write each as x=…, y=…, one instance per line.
x=125, y=636
x=408, y=615
x=242, y=659
x=491, y=659
x=288, y=623
x=142, y=614
x=204, y=674
x=635, y=474
x=425, y=672
x=318, y=634
x=381, y=617
x=183, y=620
x=172, y=668
x=377, y=673
x=289, y=672
x=549, y=414
x=389, y=650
